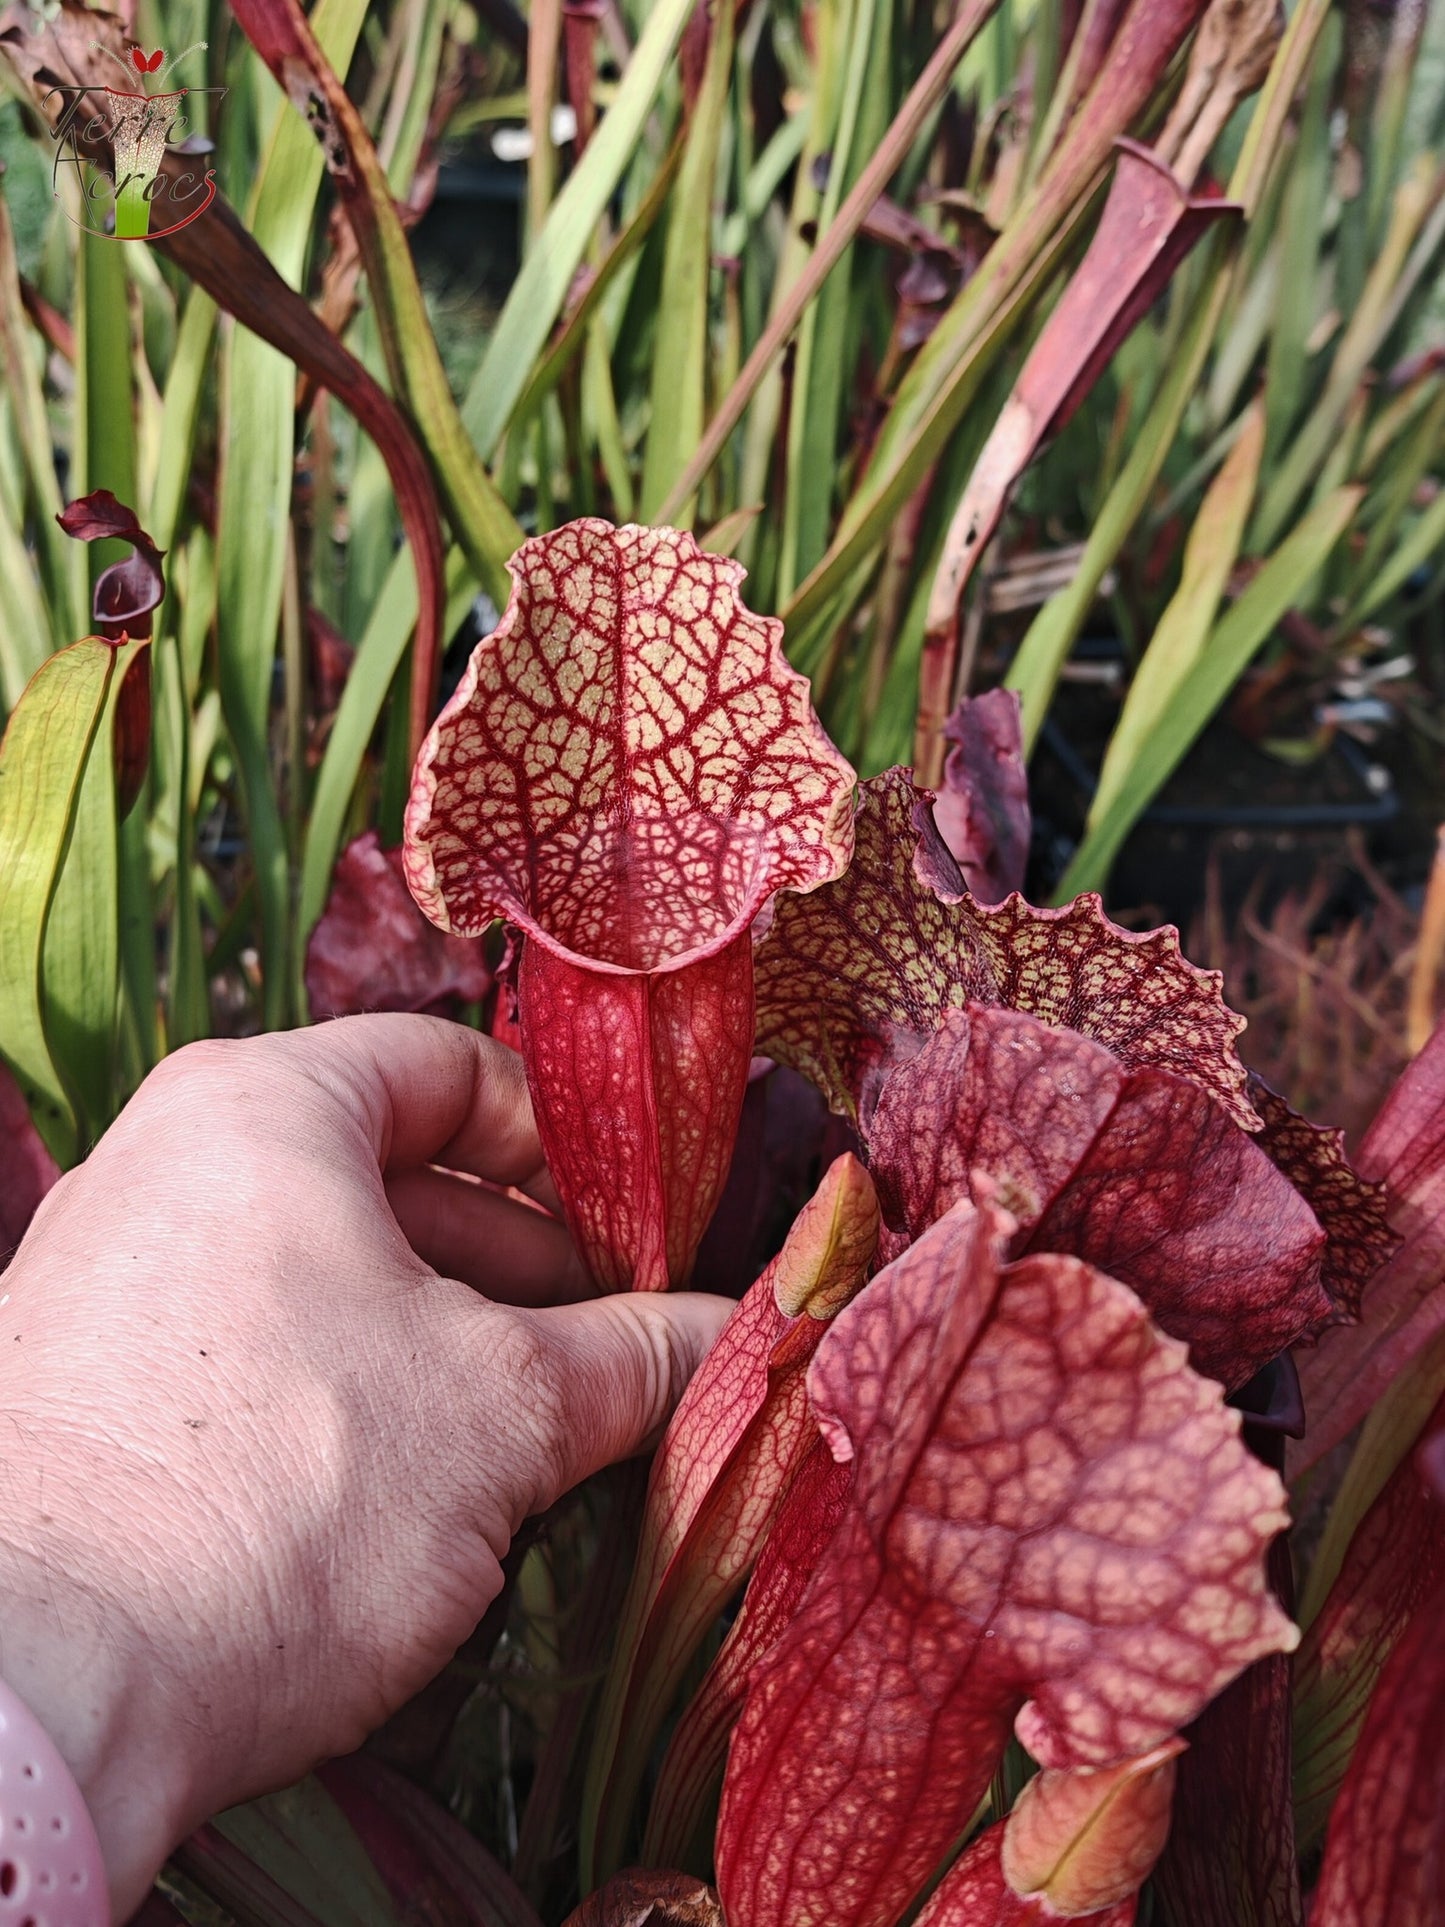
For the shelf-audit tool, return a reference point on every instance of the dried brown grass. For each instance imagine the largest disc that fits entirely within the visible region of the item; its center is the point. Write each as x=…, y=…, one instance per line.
x=1337, y=1002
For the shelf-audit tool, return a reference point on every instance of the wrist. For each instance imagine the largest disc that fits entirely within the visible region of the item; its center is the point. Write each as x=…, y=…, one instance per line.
x=77, y=1663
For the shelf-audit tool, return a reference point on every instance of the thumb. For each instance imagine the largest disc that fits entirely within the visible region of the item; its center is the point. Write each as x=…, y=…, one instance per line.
x=600, y=1381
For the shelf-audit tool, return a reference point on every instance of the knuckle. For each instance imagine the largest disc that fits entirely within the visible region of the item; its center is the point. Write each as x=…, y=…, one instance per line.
x=208, y=1059
x=196, y=1080
x=500, y=1077
x=234, y=1088
x=523, y=1364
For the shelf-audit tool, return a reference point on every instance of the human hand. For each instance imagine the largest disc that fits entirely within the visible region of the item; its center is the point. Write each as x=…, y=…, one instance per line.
x=261, y=1462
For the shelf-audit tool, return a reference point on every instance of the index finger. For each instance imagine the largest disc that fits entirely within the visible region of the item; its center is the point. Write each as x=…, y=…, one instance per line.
x=426, y=1091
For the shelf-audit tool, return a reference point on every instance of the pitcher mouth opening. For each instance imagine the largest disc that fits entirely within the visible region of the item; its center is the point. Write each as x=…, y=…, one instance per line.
x=641, y=894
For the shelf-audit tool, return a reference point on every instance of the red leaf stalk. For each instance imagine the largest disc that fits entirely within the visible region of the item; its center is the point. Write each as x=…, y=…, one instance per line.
x=733, y=1458
x=1148, y=225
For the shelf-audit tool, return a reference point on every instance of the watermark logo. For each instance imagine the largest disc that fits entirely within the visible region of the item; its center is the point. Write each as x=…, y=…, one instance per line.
x=118, y=141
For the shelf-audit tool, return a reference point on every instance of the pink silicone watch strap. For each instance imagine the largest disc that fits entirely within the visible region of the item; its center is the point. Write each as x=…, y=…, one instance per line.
x=51, y=1872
